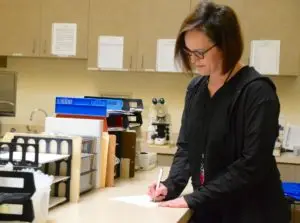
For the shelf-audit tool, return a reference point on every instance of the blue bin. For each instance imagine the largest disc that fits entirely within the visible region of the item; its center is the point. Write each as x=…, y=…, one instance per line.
x=114, y=104
x=80, y=106
x=291, y=189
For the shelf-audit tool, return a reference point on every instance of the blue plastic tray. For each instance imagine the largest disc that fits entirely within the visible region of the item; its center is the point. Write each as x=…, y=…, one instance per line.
x=80, y=106
x=291, y=189
x=114, y=104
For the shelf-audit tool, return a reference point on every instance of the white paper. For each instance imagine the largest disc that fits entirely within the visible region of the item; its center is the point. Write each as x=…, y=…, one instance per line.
x=64, y=39
x=110, y=52
x=291, y=137
x=165, y=55
x=265, y=56
x=139, y=200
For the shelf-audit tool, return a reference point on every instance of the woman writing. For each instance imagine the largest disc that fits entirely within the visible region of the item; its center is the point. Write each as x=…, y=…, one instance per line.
x=228, y=129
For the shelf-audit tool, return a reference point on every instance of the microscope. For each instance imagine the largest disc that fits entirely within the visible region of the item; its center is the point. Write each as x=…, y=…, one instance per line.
x=159, y=123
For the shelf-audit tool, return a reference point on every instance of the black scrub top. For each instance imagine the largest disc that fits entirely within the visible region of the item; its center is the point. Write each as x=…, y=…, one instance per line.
x=212, y=124
x=234, y=146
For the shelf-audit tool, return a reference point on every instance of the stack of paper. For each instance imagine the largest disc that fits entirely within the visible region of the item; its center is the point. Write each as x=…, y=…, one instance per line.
x=139, y=200
x=110, y=52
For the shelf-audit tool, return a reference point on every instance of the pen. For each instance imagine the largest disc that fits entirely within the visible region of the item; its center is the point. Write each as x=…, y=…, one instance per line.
x=158, y=179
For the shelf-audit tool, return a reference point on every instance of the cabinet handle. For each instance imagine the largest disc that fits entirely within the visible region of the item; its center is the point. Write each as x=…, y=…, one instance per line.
x=34, y=47
x=130, y=65
x=45, y=46
x=142, y=65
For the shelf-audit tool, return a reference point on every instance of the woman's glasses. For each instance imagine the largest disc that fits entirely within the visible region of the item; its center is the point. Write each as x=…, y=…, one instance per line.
x=199, y=54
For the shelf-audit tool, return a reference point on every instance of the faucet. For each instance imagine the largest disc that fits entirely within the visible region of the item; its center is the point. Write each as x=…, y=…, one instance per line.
x=36, y=110
x=31, y=117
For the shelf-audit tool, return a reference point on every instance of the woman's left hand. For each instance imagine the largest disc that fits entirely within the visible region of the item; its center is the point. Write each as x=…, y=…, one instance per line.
x=176, y=203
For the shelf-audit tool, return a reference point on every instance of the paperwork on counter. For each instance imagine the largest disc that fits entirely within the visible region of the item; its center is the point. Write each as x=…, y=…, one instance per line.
x=140, y=200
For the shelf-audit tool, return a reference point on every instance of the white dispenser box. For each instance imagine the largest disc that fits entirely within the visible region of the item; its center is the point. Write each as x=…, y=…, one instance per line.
x=147, y=160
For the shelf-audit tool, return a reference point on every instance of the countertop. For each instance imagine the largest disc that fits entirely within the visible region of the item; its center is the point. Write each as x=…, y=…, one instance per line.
x=288, y=158
x=97, y=206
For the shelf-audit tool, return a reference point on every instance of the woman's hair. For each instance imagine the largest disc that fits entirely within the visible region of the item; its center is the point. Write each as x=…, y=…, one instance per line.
x=221, y=25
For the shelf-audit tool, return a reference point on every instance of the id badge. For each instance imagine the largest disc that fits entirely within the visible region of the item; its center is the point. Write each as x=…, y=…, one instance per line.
x=202, y=171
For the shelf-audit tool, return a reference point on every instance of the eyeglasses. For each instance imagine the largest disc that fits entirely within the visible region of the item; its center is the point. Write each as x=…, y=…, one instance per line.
x=199, y=54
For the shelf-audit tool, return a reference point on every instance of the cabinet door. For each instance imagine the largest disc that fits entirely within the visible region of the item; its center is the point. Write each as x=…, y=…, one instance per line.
x=113, y=18
x=158, y=19
x=20, y=27
x=61, y=12
x=278, y=24
x=287, y=172
x=193, y=4
x=269, y=21
x=243, y=16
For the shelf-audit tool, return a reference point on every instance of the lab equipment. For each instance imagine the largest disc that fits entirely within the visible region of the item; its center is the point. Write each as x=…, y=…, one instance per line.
x=147, y=161
x=291, y=137
x=159, y=123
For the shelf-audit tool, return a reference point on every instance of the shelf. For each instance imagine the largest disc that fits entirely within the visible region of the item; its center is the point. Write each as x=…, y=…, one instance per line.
x=30, y=156
x=134, y=125
x=54, y=201
x=60, y=179
x=116, y=129
x=86, y=155
x=115, y=112
x=87, y=172
x=86, y=188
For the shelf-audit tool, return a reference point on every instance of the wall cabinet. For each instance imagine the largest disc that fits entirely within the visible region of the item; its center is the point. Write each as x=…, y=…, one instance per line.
x=27, y=25
x=113, y=18
x=241, y=11
x=278, y=24
x=20, y=27
x=64, y=11
x=158, y=19
x=141, y=23
x=289, y=172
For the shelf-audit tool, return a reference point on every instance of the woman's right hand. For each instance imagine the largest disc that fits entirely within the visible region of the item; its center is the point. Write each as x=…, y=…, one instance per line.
x=159, y=194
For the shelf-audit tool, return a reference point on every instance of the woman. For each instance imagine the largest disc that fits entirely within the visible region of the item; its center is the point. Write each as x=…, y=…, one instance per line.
x=228, y=130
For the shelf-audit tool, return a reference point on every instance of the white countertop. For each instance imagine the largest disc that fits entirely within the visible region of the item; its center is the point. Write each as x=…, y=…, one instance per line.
x=288, y=158
x=97, y=206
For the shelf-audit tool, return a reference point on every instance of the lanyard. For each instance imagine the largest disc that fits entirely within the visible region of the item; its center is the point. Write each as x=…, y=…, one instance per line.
x=202, y=170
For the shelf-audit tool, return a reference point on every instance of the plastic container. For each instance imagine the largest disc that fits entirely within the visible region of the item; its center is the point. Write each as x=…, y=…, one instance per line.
x=147, y=161
x=292, y=190
x=40, y=198
x=114, y=104
x=40, y=202
x=81, y=106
